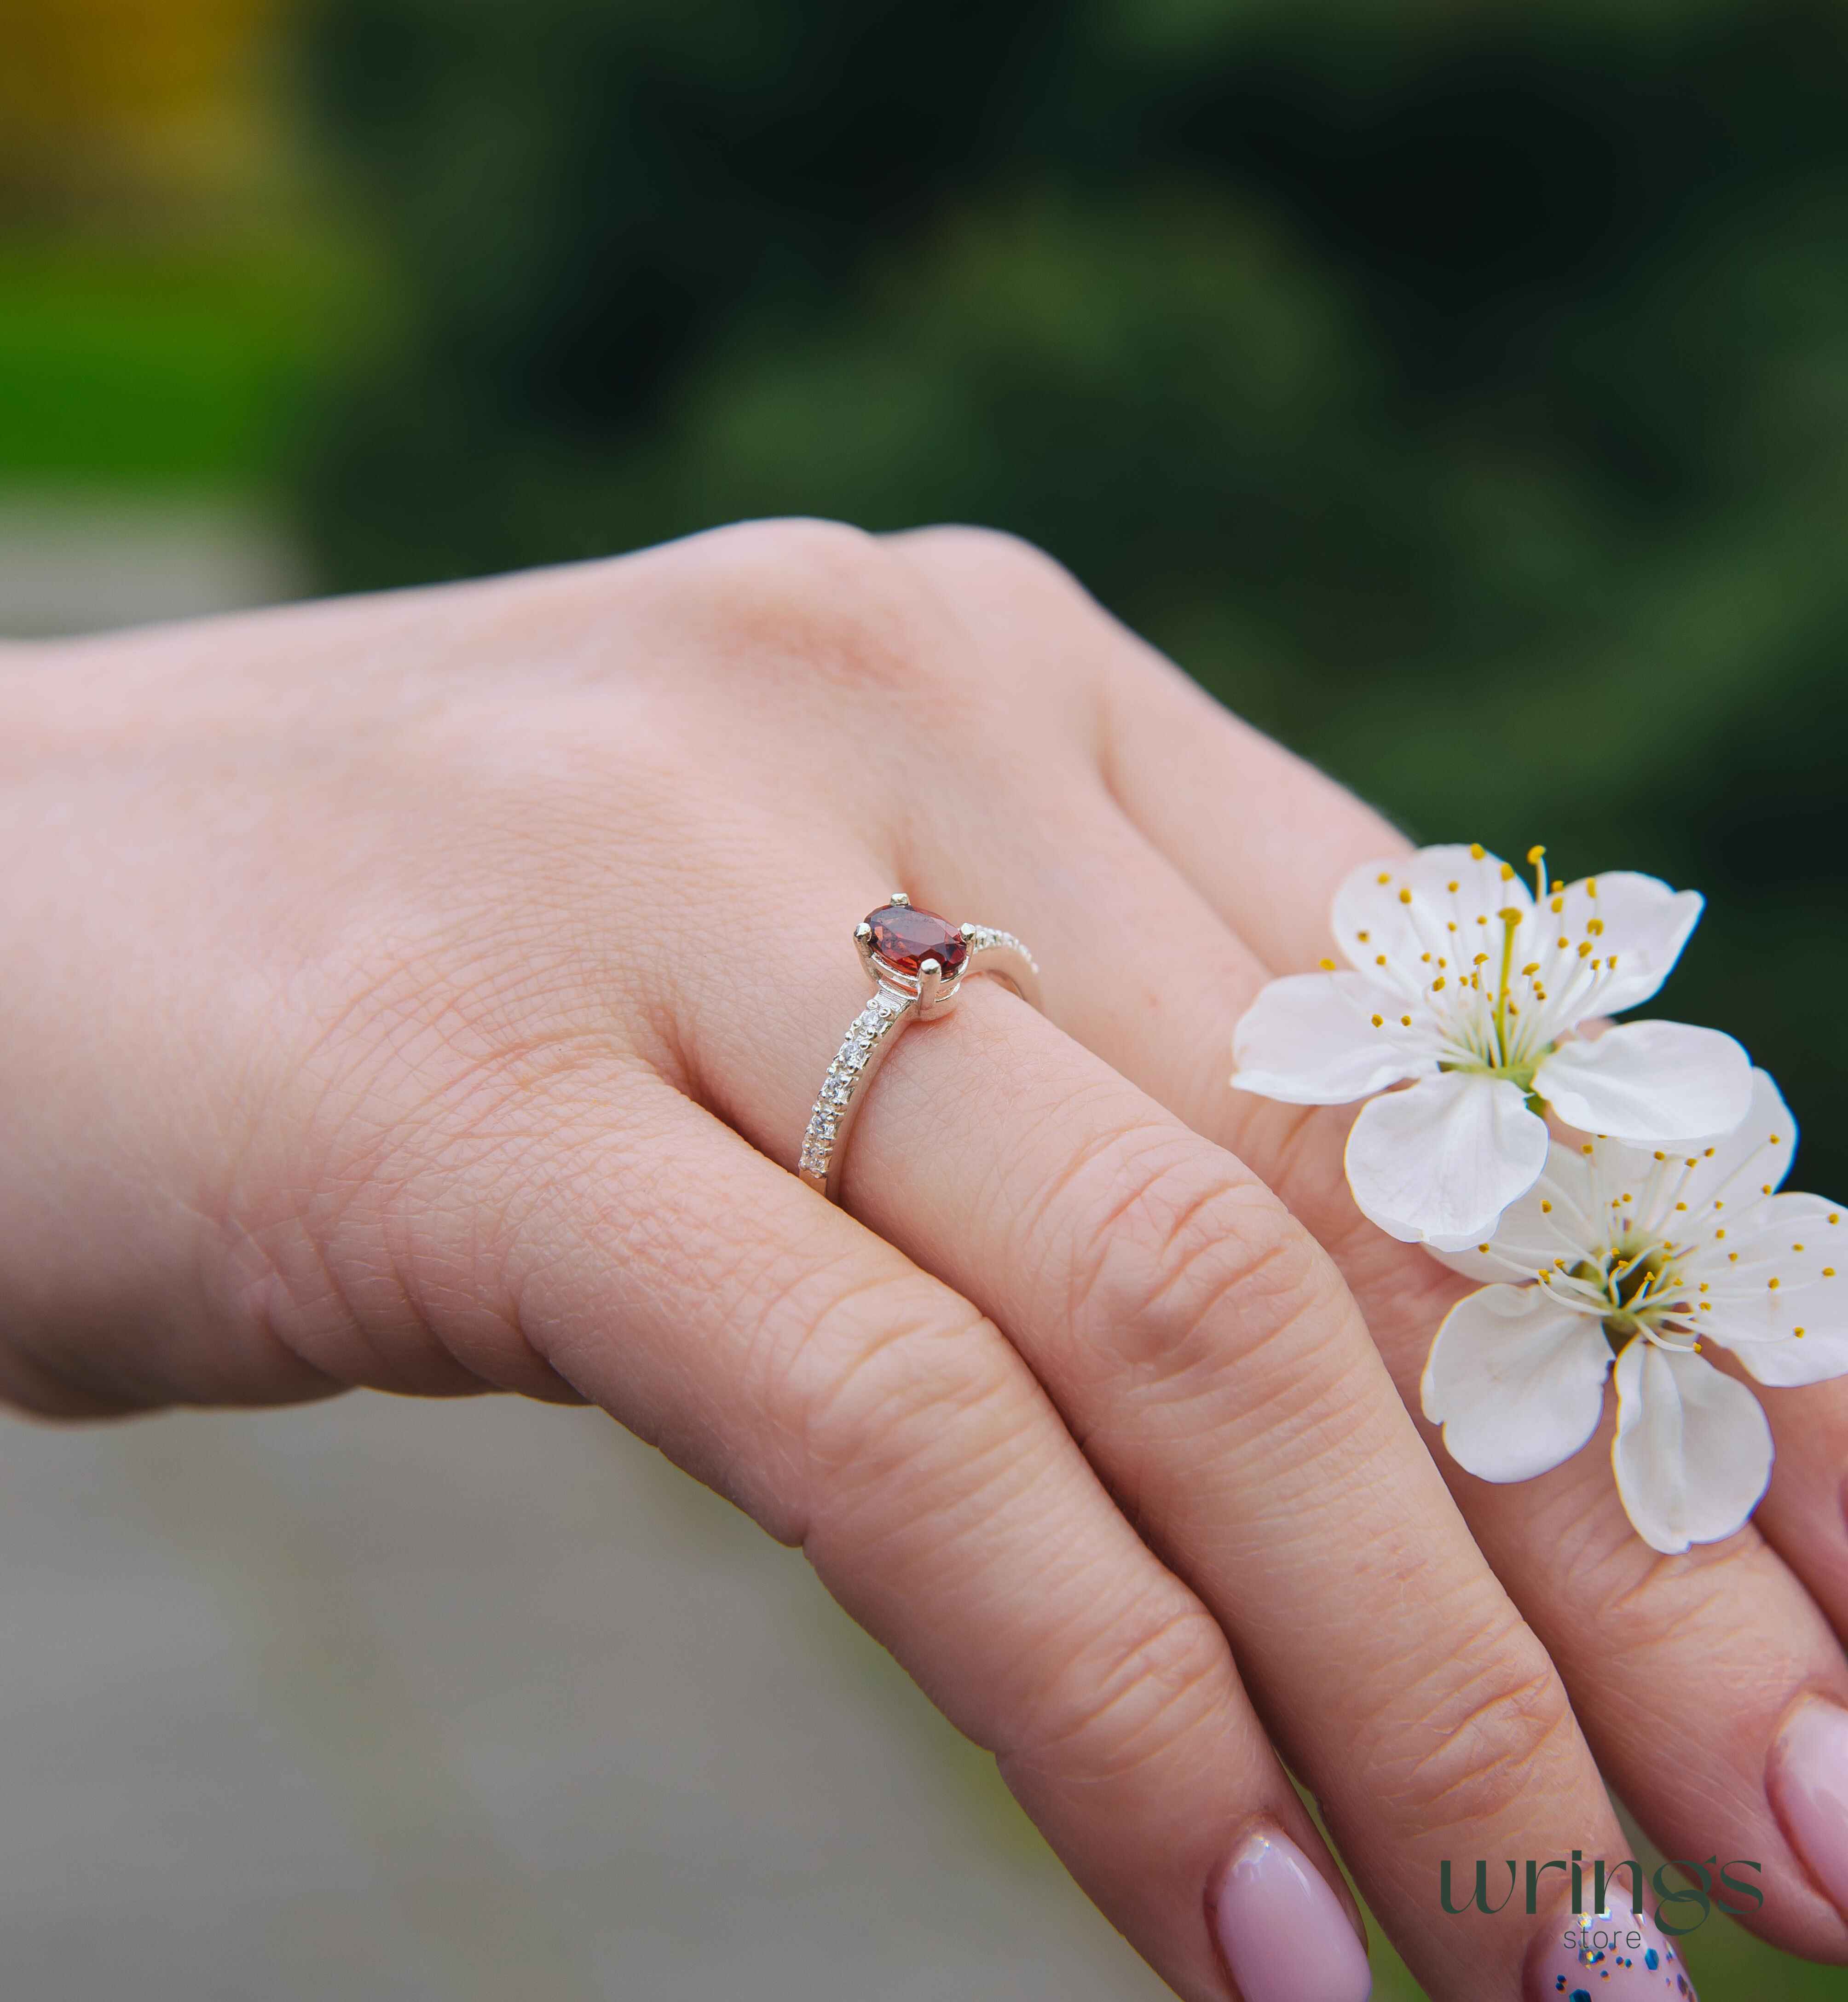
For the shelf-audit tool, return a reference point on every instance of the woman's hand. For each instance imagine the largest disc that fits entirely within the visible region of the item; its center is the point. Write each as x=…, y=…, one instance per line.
x=430, y=992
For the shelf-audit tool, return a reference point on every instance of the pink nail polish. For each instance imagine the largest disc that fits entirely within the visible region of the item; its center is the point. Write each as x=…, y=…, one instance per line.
x=1808, y=1785
x=1283, y=1931
x=1613, y=1956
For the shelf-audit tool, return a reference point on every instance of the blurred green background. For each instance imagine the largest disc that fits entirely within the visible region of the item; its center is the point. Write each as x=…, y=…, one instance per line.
x=1459, y=388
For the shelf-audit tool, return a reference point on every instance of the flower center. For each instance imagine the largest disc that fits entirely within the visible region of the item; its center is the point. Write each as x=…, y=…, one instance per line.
x=1492, y=1034
x=1640, y=1279
x=1485, y=974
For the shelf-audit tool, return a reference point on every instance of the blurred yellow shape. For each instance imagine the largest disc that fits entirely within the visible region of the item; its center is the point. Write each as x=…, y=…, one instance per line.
x=97, y=94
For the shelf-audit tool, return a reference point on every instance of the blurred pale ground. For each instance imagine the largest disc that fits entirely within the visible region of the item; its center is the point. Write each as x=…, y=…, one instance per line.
x=482, y=1701
x=467, y=1702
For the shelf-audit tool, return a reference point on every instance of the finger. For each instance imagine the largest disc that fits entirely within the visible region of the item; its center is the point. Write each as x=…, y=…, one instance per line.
x=1803, y=1518
x=1201, y=1350
x=1631, y=1632
x=861, y=1408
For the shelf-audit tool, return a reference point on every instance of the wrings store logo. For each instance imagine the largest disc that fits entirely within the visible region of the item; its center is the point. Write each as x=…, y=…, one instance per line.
x=1681, y=1908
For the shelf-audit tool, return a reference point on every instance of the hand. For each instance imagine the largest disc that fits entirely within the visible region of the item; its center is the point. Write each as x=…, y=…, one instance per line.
x=429, y=992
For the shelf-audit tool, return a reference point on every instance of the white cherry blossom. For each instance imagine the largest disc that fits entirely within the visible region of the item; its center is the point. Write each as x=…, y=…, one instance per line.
x=1465, y=981
x=1647, y=1256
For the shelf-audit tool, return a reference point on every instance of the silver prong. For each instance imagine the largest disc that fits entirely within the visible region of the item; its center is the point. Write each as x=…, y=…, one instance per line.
x=898, y=896
x=930, y=983
x=862, y=939
x=968, y=933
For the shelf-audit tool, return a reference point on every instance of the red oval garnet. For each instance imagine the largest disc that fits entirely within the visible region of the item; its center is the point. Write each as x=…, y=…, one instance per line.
x=904, y=938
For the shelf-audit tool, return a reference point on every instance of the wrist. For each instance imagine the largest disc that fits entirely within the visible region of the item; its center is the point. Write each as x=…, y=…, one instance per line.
x=104, y=1218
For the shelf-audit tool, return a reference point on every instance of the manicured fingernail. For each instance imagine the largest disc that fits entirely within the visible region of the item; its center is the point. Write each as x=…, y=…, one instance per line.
x=1283, y=1931
x=1808, y=1785
x=1618, y=1956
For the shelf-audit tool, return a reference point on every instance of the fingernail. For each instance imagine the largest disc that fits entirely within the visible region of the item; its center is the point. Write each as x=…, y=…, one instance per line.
x=1608, y=1957
x=1808, y=1785
x=1283, y=1931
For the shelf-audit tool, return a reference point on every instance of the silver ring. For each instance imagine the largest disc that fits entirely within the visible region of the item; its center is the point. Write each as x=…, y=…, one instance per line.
x=917, y=963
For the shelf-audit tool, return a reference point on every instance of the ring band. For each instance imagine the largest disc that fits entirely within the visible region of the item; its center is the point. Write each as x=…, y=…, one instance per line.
x=917, y=962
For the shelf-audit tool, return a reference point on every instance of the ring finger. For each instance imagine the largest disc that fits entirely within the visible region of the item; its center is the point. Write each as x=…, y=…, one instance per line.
x=1201, y=1349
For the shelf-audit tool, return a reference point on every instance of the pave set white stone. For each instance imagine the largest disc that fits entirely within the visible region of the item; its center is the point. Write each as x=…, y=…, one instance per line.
x=985, y=938
x=917, y=963
x=875, y=1020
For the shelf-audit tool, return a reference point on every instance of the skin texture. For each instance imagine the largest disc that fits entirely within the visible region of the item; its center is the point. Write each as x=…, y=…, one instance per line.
x=428, y=992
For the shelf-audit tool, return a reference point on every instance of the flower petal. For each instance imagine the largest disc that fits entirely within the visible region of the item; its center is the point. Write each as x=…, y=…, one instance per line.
x=1437, y=1164
x=1310, y=1039
x=1795, y=1330
x=1692, y=1453
x=1821, y=1352
x=1652, y=1081
x=1388, y=915
x=1516, y=1382
x=1549, y=1221
x=1644, y=925
x=1741, y=1168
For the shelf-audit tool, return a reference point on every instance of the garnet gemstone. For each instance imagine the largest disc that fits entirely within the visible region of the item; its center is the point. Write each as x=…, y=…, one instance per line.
x=904, y=938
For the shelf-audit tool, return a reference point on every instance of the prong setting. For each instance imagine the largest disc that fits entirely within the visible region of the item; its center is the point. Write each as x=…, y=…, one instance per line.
x=917, y=963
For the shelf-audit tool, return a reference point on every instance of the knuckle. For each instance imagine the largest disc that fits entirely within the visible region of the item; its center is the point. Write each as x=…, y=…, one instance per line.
x=1191, y=1268
x=1007, y=561
x=821, y=596
x=1677, y=1606
x=1145, y=1687
x=876, y=1372
x=1485, y=1743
